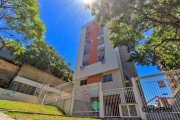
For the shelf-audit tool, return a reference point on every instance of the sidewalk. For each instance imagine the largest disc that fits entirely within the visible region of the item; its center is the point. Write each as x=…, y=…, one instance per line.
x=4, y=117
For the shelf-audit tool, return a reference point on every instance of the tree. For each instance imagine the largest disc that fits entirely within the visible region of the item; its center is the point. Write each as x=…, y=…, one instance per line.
x=130, y=19
x=41, y=56
x=18, y=48
x=19, y=20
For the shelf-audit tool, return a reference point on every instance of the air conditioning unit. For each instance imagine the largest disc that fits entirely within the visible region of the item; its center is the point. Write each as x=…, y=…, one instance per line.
x=82, y=67
x=101, y=48
x=101, y=36
x=103, y=61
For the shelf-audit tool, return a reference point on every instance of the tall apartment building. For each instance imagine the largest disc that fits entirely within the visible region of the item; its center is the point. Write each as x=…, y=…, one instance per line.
x=98, y=61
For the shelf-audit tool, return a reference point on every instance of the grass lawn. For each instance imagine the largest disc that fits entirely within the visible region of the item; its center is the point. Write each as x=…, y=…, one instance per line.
x=27, y=107
x=34, y=108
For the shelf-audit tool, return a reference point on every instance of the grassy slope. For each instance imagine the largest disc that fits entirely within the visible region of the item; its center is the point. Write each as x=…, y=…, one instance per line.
x=35, y=108
x=27, y=107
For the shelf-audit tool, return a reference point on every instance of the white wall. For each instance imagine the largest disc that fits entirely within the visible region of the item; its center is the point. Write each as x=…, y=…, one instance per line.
x=79, y=58
x=81, y=106
x=84, y=93
x=19, y=97
x=117, y=80
x=116, y=83
x=63, y=105
x=128, y=67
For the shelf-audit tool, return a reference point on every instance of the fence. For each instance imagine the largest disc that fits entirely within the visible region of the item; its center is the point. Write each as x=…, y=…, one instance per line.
x=116, y=99
x=62, y=91
x=50, y=98
x=91, y=101
x=160, y=95
x=154, y=97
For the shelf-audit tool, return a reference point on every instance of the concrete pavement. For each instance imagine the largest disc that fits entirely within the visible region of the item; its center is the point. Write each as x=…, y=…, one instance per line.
x=4, y=117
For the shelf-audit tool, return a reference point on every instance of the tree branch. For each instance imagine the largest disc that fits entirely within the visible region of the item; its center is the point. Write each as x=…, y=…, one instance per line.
x=165, y=41
x=175, y=21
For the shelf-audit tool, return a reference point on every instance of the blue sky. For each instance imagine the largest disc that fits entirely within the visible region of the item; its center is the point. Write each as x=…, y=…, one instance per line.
x=63, y=20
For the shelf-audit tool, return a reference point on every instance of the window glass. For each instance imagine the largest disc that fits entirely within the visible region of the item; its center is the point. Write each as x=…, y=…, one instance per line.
x=86, y=51
x=87, y=35
x=107, y=78
x=87, y=42
x=19, y=87
x=124, y=110
x=100, y=58
x=14, y=87
x=85, y=63
x=127, y=78
x=29, y=90
x=32, y=91
x=83, y=82
x=88, y=28
x=132, y=110
x=22, y=88
x=26, y=89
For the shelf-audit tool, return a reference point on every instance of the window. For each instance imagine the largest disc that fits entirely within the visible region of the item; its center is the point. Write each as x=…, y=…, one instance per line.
x=100, y=58
x=87, y=42
x=85, y=63
x=88, y=28
x=86, y=51
x=127, y=82
x=127, y=78
x=128, y=110
x=32, y=91
x=87, y=35
x=19, y=87
x=83, y=82
x=107, y=78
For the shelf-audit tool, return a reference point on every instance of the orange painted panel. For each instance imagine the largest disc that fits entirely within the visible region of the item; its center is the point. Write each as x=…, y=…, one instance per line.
x=94, y=79
x=93, y=44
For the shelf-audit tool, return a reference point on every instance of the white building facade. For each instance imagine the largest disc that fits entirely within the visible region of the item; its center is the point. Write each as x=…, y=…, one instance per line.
x=102, y=77
x=98, y=61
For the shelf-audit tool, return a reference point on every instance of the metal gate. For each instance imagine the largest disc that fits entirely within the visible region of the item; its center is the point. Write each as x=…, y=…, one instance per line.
x=160, y=95
x=116, y=99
